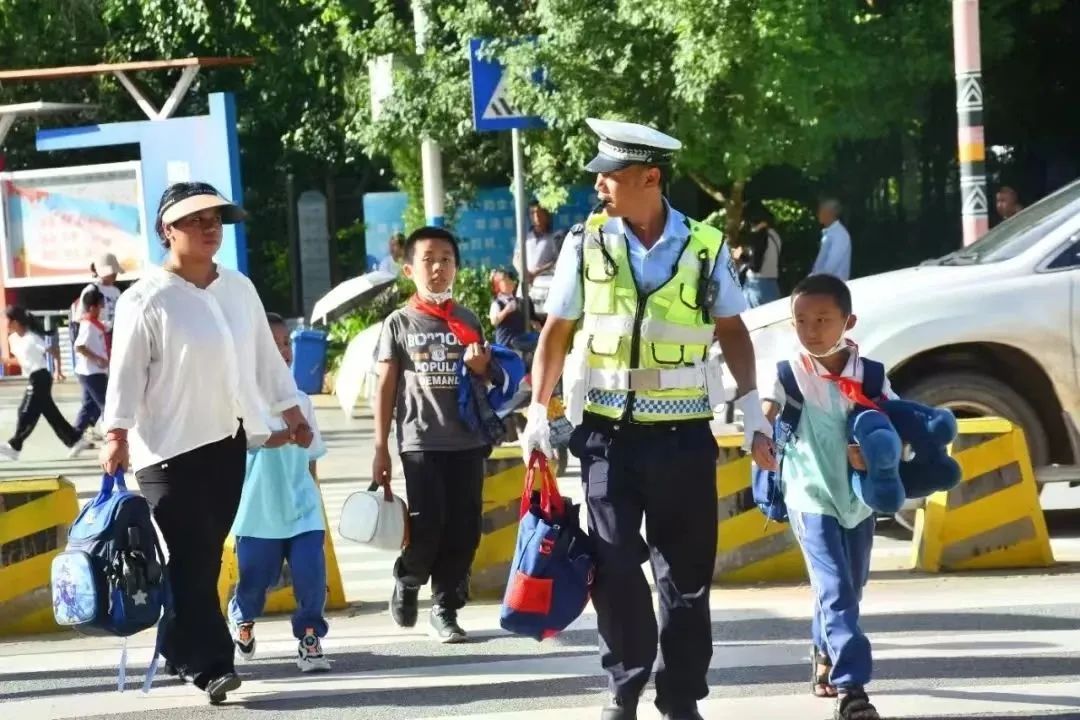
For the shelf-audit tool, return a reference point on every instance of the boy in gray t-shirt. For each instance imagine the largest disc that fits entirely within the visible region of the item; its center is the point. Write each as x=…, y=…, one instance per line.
x=443, y=460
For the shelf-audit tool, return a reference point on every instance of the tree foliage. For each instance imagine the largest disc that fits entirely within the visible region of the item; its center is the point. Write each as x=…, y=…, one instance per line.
x=744, y=84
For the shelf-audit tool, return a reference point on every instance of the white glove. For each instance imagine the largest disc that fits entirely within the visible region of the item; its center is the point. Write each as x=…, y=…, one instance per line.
x=537, y=433
x=754, y=420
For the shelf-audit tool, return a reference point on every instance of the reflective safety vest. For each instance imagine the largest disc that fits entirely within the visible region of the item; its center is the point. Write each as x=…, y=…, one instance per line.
x=646, y=351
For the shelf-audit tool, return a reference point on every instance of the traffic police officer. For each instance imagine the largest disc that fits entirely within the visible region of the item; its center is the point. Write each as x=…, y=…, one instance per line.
x=651, y=289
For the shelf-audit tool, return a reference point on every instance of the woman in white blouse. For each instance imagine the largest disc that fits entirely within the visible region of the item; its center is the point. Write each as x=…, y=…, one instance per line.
x=194, y=370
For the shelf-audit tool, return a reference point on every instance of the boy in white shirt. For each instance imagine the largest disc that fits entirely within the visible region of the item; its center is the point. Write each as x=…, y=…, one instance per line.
x=281, y=518
x=832, y=525
x=91, y=360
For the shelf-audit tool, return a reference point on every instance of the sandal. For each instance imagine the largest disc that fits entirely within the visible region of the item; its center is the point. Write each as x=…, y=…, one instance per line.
x=820, y=667
x=853, y=704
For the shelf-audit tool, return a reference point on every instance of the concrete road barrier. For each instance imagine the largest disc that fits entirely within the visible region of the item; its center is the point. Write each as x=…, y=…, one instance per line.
x=748, y=549
x=35, y=515
x=993, y=518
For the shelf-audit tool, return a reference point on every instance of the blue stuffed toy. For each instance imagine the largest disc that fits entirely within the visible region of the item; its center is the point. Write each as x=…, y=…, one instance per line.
x=905, y=448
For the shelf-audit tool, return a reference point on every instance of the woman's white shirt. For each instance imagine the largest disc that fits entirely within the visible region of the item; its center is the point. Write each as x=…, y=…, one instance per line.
x=31, y=350
x=188, y=364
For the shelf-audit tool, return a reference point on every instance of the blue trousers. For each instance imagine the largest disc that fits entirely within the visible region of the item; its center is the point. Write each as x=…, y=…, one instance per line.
x=260, y=561
x=838, y=562
x=93, y=400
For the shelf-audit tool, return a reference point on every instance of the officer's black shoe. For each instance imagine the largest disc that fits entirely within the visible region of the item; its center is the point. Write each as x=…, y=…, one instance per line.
x=620, y=709
x=686, y=714
x=403, y=604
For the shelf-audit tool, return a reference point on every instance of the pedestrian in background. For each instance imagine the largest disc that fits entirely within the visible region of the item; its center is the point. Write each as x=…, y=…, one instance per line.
x=762, y=257
x=194, y=370
x=834, y=257
x=92, y=360
x=1007, y=202
x=392, y=262
x=30, y=345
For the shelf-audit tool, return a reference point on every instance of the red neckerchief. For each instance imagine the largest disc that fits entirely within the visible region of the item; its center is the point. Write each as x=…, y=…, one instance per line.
x=97, y=323
x=849, y=387
x=464, y=332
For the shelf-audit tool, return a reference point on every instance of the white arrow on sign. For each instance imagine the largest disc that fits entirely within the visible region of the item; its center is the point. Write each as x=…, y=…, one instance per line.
x=499, y=106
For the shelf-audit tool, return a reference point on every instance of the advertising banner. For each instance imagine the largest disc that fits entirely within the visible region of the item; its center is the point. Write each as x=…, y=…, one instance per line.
x=55, y=222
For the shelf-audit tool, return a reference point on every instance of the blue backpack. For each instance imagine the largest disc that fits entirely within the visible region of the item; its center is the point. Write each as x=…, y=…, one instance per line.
x=551, y=575
x=111, y=579
x=766, y=485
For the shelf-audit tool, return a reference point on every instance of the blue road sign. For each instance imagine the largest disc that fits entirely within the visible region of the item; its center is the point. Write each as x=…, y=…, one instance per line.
x=492, y=109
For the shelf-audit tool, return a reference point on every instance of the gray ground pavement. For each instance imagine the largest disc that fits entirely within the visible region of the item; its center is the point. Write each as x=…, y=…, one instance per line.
x=994, y=645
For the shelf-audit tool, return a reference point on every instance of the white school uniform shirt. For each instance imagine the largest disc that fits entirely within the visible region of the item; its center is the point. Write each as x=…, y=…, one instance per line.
x=816, y=473
x=189, y=364
x=93, y=339
x=31, y=350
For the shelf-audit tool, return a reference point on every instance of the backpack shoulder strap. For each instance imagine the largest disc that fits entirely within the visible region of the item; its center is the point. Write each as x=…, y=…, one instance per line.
x=873, y=379
x=793, y=397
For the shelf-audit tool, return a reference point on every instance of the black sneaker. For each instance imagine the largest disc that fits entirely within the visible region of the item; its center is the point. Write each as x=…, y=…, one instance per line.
x=217, y=688
x=403, y=605
x=444, y=625
x=690, y=712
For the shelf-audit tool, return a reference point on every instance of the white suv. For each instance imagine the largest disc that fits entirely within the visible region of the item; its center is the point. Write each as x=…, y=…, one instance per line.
x=992, y=329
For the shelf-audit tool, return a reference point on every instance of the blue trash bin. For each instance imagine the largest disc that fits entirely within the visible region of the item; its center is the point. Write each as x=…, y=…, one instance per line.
x=309, y=360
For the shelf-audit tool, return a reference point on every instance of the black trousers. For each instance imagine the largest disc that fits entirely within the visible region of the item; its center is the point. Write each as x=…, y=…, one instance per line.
x=668, y=474
x=445, y=491
x=194, y=497
x=38, y=401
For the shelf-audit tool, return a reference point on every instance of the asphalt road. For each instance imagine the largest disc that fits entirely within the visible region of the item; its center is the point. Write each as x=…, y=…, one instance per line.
x=993, y=646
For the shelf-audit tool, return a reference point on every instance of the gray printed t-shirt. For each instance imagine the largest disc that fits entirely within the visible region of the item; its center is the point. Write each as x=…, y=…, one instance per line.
x=427, y=353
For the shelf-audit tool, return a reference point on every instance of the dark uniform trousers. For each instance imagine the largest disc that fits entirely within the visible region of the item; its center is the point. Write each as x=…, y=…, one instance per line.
x=666, y=472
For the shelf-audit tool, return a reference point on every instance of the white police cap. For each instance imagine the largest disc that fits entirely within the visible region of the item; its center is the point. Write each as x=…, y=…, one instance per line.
x=623, y=144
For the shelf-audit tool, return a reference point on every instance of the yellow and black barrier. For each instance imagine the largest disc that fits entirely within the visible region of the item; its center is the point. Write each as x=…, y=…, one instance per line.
x=504, y=479
x=280, y=599
x=749, y=550
x=993, y=518
x=34, y=519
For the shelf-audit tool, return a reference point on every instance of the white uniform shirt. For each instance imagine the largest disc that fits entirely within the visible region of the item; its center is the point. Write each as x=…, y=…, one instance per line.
x=111, y=294
x=188, y=364
x=31, y=350
x=93, y=339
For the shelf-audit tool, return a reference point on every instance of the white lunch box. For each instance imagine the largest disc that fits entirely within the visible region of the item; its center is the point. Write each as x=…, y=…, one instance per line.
x=369, y=518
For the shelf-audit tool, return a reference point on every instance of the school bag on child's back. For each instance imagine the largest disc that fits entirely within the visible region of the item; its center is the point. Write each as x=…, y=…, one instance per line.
x=111, y=579
x=766, y=485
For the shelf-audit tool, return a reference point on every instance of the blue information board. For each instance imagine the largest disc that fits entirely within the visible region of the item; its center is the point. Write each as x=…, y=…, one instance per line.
x=384, y=215
x=485, y=227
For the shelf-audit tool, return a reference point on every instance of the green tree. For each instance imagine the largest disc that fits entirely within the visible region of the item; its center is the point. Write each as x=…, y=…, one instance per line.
x=744, y=84
x=293, y=104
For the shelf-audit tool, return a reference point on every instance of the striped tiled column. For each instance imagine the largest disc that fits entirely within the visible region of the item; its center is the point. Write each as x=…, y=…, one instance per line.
x=969, y=110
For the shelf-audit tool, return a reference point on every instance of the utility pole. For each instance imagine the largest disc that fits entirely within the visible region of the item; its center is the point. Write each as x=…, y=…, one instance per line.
x=430, y=154
x=971, y=140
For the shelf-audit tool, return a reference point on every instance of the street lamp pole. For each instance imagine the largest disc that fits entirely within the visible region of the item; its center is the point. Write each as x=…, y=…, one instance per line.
x=430, y=153
x=971, y=138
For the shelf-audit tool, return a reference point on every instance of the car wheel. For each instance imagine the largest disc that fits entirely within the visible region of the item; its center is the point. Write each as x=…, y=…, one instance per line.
x=972, y=394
